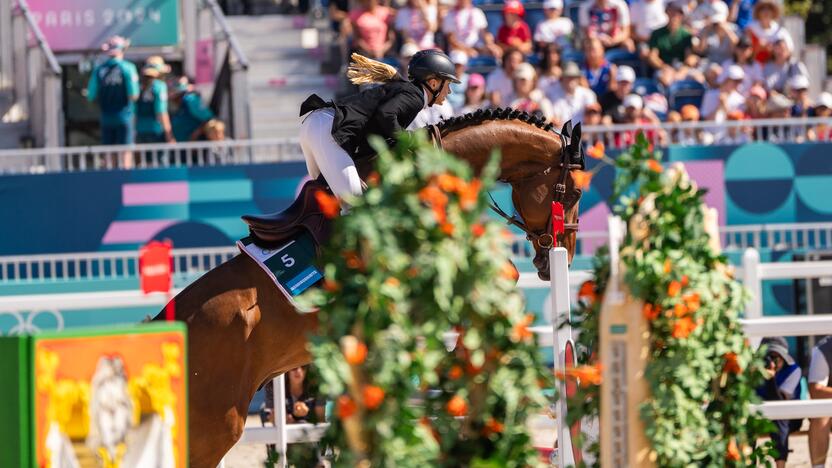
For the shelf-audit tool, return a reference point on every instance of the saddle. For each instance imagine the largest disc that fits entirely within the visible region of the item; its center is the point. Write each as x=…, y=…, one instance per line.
x=303, y=213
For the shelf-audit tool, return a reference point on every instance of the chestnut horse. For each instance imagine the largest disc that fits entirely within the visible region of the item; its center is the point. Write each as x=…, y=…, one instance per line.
x=242, y=331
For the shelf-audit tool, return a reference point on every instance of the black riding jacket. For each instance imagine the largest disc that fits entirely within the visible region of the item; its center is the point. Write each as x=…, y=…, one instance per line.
x=383, y=110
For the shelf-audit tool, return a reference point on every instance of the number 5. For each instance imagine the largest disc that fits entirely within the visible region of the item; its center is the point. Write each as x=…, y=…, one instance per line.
x=287, y=261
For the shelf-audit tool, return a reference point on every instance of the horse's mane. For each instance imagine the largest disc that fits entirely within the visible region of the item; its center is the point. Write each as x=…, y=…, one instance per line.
x=500, y=113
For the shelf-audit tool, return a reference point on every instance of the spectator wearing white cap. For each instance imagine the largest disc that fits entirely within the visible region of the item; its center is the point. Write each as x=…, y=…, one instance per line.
x=717, y=37
x=744, y=58
x=706, y=12
x=466, y=28
x=717, y=103
x=457, y=95
x=779, y=107
x=570, y=97
x=634, y=114
x=554, y=29
x=646, y=16
x=823, y=108
x=782, y=67
x=527, y=97
x=611, y=100
x=417, y=22
x=407, y=51
x=499, y=85
x=799, y=93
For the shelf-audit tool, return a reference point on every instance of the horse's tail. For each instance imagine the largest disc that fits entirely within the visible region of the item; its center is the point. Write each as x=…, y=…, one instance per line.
x=364, y=70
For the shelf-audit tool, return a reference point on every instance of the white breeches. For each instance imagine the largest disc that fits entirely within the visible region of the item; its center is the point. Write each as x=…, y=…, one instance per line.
x=324, y=156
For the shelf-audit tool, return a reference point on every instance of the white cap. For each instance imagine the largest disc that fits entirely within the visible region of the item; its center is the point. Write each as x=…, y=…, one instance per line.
x=625, y=73
x=409, y=49
x=524, y=71
x=718, y=11
x=459, y=57
x=633, y=100
x=799, y=82
x=825, y=100
x=734, y=72
x=553, y=4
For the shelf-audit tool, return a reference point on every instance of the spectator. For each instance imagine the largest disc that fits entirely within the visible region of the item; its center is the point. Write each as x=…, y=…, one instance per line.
x=215, y=130
x=782, y=384
x=592, y=114
x=687, y=135
x=799, y=93
x=598, y=72
x=822, y=131
x=634, y=115
x=465, y=28
x=755, y=103
x=549, y=66
x=407, y=51
x=781, y=68
x=717, y=37
x=717, y=103
x=527, y=97
x=191, y=113
x=646, y=16
x=778, y=107
x=744, y=57
x=713, y=74
x=741, y=12
x=457, y=95
x=671, y=47
x=554, y=29
x=499, y=84
x=152, y=120
x=611, y=100
x=369, y=25
x=706, y=12
x=474, y=95
x=607, y=20
x=514, y=33
x=736, y=135
x=339, y=11
x=570, y=97
x=301, y=406
x=819, y=389
x=764, y=31
x=114, y=85
x=417, y=23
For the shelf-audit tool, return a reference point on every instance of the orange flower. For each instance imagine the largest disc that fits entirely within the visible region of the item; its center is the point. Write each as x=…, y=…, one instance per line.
x=346, y=407
x=733, y=452
x=586, y=375
x=596, y=151
x=469, y=193
x=455, y=372
x=457, y=406
x=447, y=228
x=331, y=285
x=683, y=327
x=373, y=396
x=373, y=179
x=439, y=213
x=587, y=291
x=477, y=229
x=685, y=280
x=492, y=426
x=392, y=282
x=355, y=352
x=654, y=165
x=674, y=288
x=412, y=272
x=582, y=179
x=732, y=366
x=353, y=260
x=692, y=301
x=449, y=183
x=509, y=271
x=520, y=331
x=329, y=204
x=680, y=310
x=471, y=369
x=650, y=311
x=667, y=266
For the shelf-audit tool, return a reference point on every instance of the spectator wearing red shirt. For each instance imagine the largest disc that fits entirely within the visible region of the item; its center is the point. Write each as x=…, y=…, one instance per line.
x=514, y=32
x=370, y=24
x=607, y=20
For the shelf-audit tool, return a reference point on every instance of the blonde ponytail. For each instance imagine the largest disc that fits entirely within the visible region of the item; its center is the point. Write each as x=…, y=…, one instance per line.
x=363, y=71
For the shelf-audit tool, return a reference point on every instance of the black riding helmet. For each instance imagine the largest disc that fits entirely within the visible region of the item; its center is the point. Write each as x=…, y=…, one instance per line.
x=427, y=64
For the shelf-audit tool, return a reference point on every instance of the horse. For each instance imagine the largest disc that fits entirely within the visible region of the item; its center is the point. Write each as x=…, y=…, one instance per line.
x=243, y=331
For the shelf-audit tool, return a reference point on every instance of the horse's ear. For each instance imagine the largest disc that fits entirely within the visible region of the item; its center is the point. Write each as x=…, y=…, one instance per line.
x=567, y=129
x=576, y=152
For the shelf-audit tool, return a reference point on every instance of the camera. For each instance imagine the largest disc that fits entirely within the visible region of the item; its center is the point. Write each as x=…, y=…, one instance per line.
x=770, y=360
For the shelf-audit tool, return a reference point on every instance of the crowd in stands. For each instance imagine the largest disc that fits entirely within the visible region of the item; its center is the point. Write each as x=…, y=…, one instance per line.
x=637, y=62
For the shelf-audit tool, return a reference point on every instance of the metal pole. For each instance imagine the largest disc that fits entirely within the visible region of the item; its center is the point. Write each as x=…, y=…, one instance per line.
x=279, y=412
x=559, y=268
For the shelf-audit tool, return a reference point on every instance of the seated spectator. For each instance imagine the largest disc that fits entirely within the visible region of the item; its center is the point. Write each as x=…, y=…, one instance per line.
x=712, y=76
x=822, y=131
x=782, y=384
x=634, y=115
x=778, y=107
x=599, y=74
x=755, y=103
x=457, y=95
x=592, y=114
x=733, y=134
x=191, y=113
x=527, y=97
x=781, y=68
x=705, y=13
x=687, y=135
x=819, y=389
x=417, y=23
x=611, y=100
x=764, y=31
x=465, y=28
x=549, y=66
x=499, y=84
x=569, y=98
x=514, y=33
x=717, y=37
x=554, y=29
x=474, y=95
x=671, y=47
x=744, y=57
x=369, y=25
x=646, y=16
x=607, y=20
x=799, y=93
x=407, y=52
x=717, y=103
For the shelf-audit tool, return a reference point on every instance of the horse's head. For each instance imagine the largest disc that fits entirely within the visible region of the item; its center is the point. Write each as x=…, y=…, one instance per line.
x=534, y=194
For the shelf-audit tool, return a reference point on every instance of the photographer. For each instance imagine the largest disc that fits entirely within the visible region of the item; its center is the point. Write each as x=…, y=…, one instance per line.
x=782, y=383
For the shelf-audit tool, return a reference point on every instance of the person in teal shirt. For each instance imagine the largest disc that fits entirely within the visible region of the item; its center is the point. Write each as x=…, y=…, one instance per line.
x=114, y=85
x=191, y=113
x=152, y=120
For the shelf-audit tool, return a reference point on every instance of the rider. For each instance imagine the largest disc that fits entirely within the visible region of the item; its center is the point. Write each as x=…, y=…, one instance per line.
x=333, y=135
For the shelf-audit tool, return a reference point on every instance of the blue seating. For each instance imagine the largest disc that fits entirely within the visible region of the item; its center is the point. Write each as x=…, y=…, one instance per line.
x=645, y=86
x=572, y=55
x=533, y=59
x=392, y=61
x=625, y=57
x=482, y=61
x=685, y=92
x=495, y=20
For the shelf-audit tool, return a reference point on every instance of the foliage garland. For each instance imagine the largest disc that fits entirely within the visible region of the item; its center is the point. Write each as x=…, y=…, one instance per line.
x=412, y=261
x=702, y=373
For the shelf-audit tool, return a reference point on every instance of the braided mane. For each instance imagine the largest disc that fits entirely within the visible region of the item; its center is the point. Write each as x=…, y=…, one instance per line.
x=500, y=113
